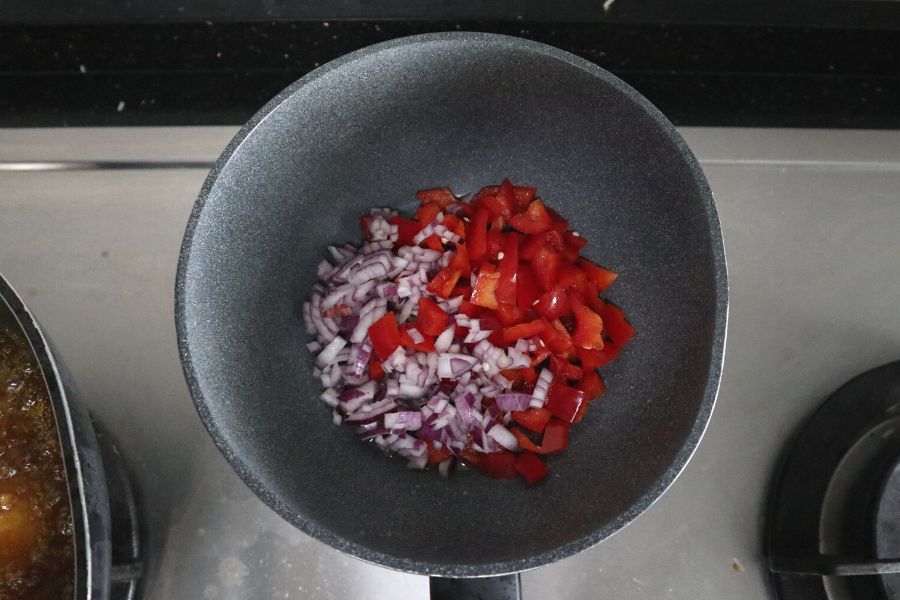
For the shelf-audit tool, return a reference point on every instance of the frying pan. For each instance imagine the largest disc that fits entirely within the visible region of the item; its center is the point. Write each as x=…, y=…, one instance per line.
x=460, y=110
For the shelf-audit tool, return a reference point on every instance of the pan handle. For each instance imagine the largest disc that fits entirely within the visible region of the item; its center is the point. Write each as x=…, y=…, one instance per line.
x=503, y=587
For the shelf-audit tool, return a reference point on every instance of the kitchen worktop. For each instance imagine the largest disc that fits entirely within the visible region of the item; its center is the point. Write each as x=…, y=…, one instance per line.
x=177, y=71
x=90, y=226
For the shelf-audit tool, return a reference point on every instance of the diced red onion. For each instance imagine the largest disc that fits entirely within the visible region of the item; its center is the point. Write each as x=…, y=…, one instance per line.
x=417, y=337
x=445, y=234
x=367, y=433
x=329, y=397
x=513, y=401
x=437, y=403
x=541, y=386
x=454, y=365
x=409, y=390
x=443, y=341
x=445, y=466
x=330, y=351
x=307, y=319
x=408, y=308
x=337, y=254
x=410, y=420
x=386, y=290
x=504, y=437
x=476, y=336
x=418, y=462
x=369, y=413
x=351, y=399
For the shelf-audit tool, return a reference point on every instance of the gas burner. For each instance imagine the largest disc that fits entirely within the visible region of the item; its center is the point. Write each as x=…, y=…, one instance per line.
x=834, y=520
x=127, y=565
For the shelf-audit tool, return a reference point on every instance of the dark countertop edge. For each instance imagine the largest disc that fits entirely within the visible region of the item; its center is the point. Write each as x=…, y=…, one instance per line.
x=221, y=73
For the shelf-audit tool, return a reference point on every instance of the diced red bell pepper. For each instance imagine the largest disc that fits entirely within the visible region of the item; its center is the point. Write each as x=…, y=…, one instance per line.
x=594, y=359
x=484, y=288
x=573, y=240
x=530, y=467
x=496, y=338
x=375, y=370
x=494, y=242
x=529, y=245
x=563, y=401
x=554, y=240
x=443, y=283
x=471, y=457
x=592, y=385
x=489, y=190
x=461, y=289
x=427, y=213
x=556, y=436
x=541, y=355
x=525, y=442
x=385, y=336
x=524, y=331
x=571, y=276
x=602, y=278
x=545, y=266
x=618, y=329
x=514, y=376
x=442, y=197
x=433, y=242
x=553, y=304
x=488, y=322
x=557, y=338
x=364, y=222
x=432, y=320
x=534, y=419
x=509, y=269
x=406, y=230
x=527, y=289
x=476, y=234
x=565, y=369
x=510, y=314
x=588, y=328
x=535, y=219
x=499, y=465
x=557, y=222
x=460, y=260
x=529, y=375
x=524, y=196
x=503, y=203
x=455, y=225
x=437, y=455
x=469, y=309
x=406, y=340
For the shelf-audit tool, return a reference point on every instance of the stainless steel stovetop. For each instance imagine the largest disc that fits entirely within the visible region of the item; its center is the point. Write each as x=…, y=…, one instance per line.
x=811, y=221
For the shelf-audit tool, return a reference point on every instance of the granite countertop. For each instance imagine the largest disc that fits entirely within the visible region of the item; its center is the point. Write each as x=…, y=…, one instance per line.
x=196, y=72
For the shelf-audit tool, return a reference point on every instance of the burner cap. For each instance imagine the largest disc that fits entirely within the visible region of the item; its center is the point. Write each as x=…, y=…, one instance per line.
x=839, y=483
x=887, y=527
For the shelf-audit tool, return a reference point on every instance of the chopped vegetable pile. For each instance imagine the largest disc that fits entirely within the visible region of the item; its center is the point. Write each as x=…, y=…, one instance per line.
x=471, y=333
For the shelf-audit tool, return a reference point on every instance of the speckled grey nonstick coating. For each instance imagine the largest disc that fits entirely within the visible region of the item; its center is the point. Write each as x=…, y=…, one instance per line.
x=369, y=129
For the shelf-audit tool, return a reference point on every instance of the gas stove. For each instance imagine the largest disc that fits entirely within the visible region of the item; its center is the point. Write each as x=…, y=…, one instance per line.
x=91, y=227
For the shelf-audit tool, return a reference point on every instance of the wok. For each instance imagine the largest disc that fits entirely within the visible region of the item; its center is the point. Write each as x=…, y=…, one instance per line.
x=460, y=110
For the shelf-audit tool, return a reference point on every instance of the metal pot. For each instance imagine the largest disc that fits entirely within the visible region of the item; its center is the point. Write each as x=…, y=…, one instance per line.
x=80, y=450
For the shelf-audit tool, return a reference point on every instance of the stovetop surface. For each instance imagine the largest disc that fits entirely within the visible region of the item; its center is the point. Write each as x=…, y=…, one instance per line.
x=810, y=221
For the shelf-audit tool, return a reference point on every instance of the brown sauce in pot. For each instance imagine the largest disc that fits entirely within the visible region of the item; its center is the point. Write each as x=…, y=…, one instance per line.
x=36, y=541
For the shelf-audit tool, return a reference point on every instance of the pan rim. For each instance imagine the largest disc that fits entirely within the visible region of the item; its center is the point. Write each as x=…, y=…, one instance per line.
x=410, y=565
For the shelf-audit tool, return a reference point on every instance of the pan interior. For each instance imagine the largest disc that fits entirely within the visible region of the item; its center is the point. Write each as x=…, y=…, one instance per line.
x=462, y=112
